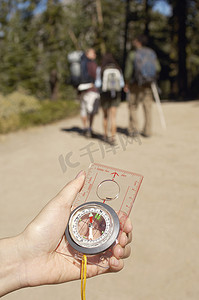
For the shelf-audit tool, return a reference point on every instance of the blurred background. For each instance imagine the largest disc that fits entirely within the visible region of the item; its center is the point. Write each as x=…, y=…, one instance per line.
x=35, y=40
x=37, y=35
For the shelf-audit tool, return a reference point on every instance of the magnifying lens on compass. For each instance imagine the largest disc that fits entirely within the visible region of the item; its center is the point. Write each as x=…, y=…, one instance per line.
x=93, y=227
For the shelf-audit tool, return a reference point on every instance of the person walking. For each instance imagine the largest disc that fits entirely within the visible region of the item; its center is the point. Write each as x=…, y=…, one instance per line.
x=142, y=68
x=112, y=83
x=89, y=96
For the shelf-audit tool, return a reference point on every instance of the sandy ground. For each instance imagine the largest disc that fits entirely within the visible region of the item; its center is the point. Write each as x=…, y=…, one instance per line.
x=164, y=263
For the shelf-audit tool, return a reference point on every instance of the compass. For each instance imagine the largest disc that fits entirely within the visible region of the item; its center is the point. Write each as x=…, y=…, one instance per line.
x=93, y=227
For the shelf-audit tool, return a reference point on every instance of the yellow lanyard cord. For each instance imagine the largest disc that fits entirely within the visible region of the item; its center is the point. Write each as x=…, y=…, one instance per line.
x=83, y=277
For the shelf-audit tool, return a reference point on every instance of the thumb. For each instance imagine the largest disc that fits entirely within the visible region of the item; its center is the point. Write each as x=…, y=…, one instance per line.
x=68, y=194
x=52, y=220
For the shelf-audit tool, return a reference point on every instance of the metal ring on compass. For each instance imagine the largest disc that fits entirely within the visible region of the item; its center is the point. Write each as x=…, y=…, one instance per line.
x=103, y=183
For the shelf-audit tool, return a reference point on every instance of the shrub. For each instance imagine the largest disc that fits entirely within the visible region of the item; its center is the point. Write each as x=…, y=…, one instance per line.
x=16, y=103
x=20, y=110
x=12, y=106
x=49, y=112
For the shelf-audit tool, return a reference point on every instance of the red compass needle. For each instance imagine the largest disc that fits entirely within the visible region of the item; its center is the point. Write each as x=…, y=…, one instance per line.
x=90, y=237
x=91, y=217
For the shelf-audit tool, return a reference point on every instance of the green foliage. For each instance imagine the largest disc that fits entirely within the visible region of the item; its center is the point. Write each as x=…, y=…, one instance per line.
x=32, y=45
x=49, y=112
x=17, y=102
x=20, y=110
x=12, y=106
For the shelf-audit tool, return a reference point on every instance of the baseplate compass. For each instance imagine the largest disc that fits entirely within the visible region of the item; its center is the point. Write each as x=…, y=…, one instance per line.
x=100, y=211
x=93, y=228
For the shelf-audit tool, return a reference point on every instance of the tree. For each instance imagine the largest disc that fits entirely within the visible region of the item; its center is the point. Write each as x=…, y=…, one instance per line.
x=180, y=18
x=34, y=47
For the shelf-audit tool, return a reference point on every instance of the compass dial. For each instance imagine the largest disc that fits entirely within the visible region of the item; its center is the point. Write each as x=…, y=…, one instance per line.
x=93, y=227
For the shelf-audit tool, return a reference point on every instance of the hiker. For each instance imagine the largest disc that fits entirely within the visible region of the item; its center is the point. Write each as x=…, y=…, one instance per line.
x=142, y=68
x=89, y=95
x=112, y=83
x=34, y=257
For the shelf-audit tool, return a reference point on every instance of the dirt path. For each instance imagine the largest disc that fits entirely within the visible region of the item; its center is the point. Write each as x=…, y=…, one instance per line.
x=164, y=263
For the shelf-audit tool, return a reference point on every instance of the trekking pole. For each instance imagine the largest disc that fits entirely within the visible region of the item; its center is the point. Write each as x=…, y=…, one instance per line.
x=157, y=100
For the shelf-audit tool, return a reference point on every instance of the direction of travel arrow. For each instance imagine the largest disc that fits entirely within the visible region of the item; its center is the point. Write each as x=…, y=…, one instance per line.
x=114, y=174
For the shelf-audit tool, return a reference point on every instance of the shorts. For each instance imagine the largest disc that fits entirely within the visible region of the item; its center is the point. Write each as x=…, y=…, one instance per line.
x=107, y=101
x=89, y=103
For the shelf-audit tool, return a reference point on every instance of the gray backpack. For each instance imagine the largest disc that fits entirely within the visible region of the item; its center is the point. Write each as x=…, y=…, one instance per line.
x=145, y=66
x=74, y=59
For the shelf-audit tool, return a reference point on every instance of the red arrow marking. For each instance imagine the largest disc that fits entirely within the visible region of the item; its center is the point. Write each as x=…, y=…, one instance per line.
x=114, y=174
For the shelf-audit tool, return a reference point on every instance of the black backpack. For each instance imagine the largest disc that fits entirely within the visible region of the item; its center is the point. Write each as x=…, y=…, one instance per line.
x=85, y=77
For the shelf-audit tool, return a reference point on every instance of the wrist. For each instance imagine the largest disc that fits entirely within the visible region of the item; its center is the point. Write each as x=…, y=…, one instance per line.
x=11, y=275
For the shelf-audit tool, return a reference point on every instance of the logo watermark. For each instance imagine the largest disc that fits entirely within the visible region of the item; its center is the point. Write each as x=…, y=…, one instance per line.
x=67, y=161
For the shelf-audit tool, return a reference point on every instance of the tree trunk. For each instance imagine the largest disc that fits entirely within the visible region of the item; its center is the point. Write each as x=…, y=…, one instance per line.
x=147, y=18
x=101, y=26
x=127, y=12
x=181, y=15
x=73, y=38
x=53, y=85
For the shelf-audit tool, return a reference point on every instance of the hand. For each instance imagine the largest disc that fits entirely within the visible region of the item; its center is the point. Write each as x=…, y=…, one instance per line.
x=126, y=88
x=36, y=257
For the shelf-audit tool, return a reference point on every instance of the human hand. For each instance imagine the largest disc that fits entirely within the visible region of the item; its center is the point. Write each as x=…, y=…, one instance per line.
x=126, y=88
x=37, y=255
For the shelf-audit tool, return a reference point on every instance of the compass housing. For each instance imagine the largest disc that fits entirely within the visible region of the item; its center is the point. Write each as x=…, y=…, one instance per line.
x=105, y=226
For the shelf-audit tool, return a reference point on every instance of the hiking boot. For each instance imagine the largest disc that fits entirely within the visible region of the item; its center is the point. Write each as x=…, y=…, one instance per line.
x=112, y=141
x=84, y=131
x=133, y=134
x=89, y=133
x=145, y=135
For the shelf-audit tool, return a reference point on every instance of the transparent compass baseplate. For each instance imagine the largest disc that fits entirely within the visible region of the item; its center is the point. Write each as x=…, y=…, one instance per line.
x=94, y=226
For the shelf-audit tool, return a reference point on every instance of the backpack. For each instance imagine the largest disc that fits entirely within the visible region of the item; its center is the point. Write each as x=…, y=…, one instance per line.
x=74, y=59
x=78, y=68
x=111, y=81
x=85, y=77
x=145, y=66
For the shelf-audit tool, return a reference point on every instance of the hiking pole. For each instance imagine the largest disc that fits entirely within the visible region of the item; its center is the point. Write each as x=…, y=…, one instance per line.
x=157, y=100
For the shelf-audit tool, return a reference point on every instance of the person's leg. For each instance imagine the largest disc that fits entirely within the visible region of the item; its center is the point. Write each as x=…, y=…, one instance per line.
x=133, y=106
x=105, y=122
x=113, y=110
x=91, y=118
x=83, y=114
x=84, y=121
x=147, y=106
x=92, y=104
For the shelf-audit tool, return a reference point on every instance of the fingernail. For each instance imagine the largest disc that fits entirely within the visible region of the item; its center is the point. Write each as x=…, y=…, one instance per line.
x=114, y=262
x=80, y=174
x=124, y=237
x=120, y=251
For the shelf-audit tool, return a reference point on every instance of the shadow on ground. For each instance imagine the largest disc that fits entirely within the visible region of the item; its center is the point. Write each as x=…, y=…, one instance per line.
x=79, y=131
x=122, y=130
x=96, y=135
